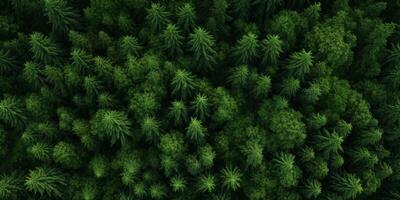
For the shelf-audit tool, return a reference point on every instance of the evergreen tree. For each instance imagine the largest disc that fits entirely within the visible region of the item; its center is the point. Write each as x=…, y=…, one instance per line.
x=11, y=112
x=271, y=49
x=43, y=49
x=157, y=16
x=202, y=45
x=186, y=17
x=61, y=16
x=172, y=40
x=45, y=181
x=112, y=124
x=246, y=49
x=347, y=185
x=195, y=131
x=183, y=83
x=299, y=63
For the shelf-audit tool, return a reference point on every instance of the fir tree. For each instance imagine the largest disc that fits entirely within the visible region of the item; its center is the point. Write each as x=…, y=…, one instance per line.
x=202, y=45
x=45, y=181
x=61, y=16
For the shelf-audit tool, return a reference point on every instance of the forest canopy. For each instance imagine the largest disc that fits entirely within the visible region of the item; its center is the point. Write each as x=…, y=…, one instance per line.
x=199, y=99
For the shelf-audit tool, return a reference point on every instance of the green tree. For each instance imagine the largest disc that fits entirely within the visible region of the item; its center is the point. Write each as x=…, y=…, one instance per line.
x=112, y=124
x=44, y=50
x=263, y=85
x=299, y=63
x=150, y=128
x=7, y=63
x=232, y=178
x=312, y=188
x=130, y=45
x=246, y=49
x=157, y=16
x=67, y=154
x=10, y=185
x=202, y=45
x=172, y=40
x=206, y=183
x=329, y=143
x=45, y=181
x=178, y=112
x=200, y=106
x=178, y=184
x=61, y=16
x=286, y=170
x=11, y=112
x=186, y=17
x=183, y=83
x=239, y=76
x=271, y=49
x=196, y=131
x=347, y=185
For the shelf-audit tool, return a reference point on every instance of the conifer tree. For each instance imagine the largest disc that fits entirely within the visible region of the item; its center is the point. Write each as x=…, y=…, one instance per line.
x=246, y=49
x=150, y=128
x=231, y=178
x=172, y=40
x=60, y=15
x=348, y=185
x=11, y=112
x=186, y=17
x=43, y=49
x=195, y=131
x=157, y=16
x=312, y=188
x=178, y=112
x=10, y=185
x=183, y=83
x=200, y=106
x=206, y=183
x=7, y=64
x=130, y=45
x=112, y=124
x=299, y=63
x=286, y=170
x=271, y=49
x=202, y=45
x=45, y=181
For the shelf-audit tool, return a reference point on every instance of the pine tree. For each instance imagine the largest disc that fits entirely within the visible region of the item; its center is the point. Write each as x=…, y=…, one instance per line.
x=290, y=86
x=246, y=49
x=61, y=16
x=157, y=191
x=32, y=74
x=186, y=17
x=232, y=178
x=45, y=181
x=172, y=40
x=43, y=49
x=99, y=166
x=178, y=184
x=253, y=152
x=207, y=156
x=196, y=131
x=40, y=151
x=157, y=17
x=271, y=49
x=151, y=128
x=329, y=143
x=67, y=155
x=287, y=172
x=178, y=112
x=200, y=106
x=81, y=60
x=263, y=84
x=312, y=188
x=10, y=185
x=183, y=83
x=112, y=124
x=7, y=63
x=239, y=76
x=206, y=183
x=347, y=185
x=299, y=63
x=130, y=46
x=202, y=44
x=11, y=113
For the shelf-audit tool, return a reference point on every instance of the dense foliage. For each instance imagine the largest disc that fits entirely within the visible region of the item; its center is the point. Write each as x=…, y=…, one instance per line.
x=207, y=99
